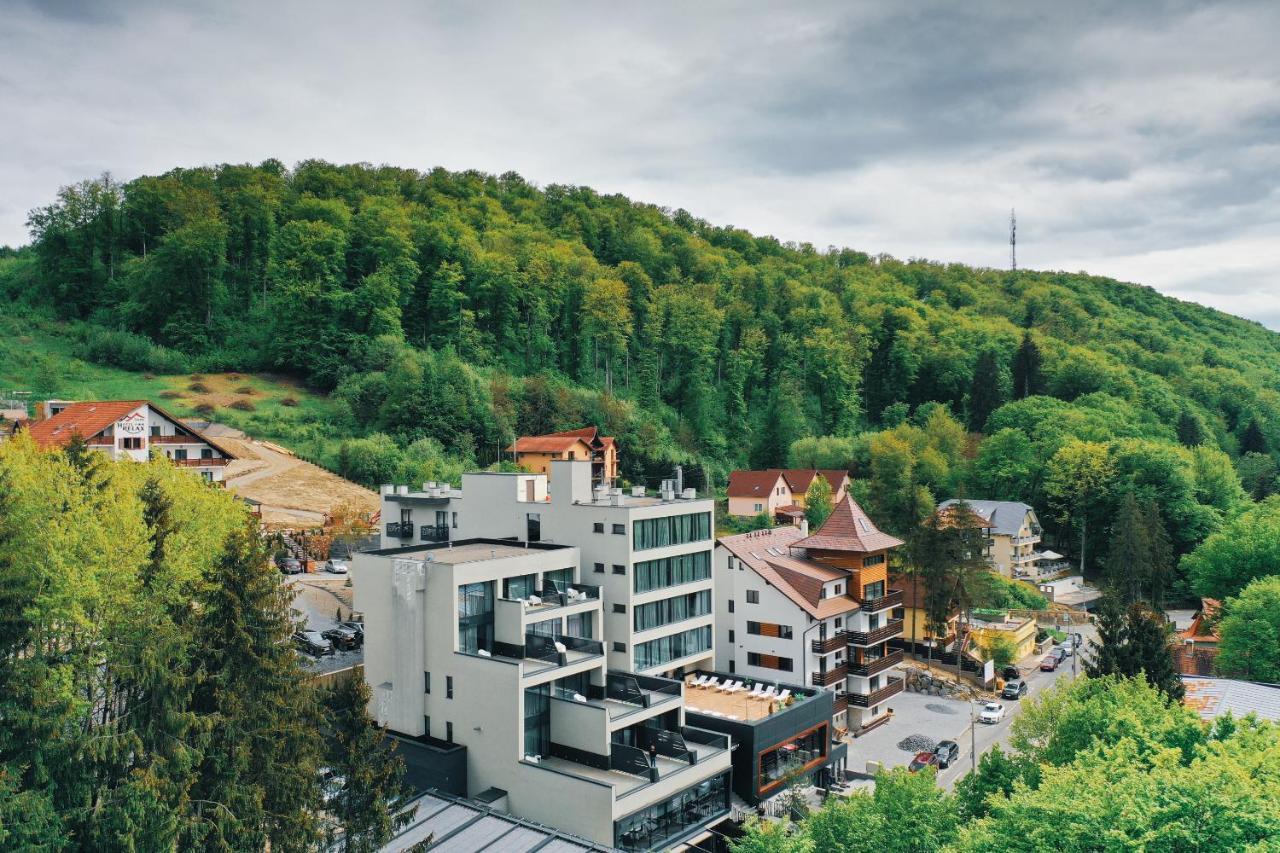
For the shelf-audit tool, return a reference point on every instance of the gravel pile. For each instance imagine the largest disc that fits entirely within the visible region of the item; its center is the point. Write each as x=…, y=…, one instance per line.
x=917, y=743
x=938, y=708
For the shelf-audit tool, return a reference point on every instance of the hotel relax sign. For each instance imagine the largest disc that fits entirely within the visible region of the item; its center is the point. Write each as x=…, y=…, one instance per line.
x=134, y=424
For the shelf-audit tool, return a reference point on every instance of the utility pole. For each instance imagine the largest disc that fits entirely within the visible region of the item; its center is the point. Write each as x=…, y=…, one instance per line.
x=973, y=738
x=1013, y=240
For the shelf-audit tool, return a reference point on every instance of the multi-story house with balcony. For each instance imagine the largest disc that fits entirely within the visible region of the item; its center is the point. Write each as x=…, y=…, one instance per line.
x=780, y=492
x=497, y=647
x=130, y=429
x=815, y=608
x=535, y=453
x=650, y=553
x=1013, y=531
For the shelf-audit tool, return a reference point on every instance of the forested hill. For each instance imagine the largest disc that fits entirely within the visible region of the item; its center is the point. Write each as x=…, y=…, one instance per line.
x=466, y=308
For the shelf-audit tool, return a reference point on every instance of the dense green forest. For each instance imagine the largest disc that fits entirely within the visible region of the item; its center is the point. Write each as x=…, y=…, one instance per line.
x=444, y=313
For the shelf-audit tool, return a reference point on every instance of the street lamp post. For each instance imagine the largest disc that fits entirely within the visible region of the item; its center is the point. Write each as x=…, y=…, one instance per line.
x=973, y=739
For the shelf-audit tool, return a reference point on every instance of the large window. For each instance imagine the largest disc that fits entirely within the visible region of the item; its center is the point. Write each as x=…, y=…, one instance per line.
x=579, y=625
x=521, y=586
x=770, y=662
x=668, y=610
x=794, y=756
x=670, y=571
x=475, y=617
x=537, y=720
x=666, y=649
x=559, y=580
x=769, y=629
x=873, y=591
x=671, y=530
x=654, y=827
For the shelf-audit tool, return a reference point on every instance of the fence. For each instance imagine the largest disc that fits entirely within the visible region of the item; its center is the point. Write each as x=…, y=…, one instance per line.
x=332, y=679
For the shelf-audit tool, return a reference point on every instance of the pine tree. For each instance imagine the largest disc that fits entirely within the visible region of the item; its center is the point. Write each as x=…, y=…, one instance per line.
x=1189, y=432
x=1027, y=379
x=1253, y=440
x=365, y=770
x=986, y=393
x=1150, y=651
x=1109, y=650
x=259, y=772
x=1129, y=560
x=1160, y=551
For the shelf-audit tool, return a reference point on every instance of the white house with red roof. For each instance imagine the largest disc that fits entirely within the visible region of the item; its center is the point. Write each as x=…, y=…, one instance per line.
x=132, y=429
x=780, y=492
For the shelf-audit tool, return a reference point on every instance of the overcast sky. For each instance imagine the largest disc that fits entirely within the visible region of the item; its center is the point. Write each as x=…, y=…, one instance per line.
x=1140, y=142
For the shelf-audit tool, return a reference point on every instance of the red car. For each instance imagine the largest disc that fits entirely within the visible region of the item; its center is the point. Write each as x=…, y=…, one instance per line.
x=923, y=760
x=1049, y=663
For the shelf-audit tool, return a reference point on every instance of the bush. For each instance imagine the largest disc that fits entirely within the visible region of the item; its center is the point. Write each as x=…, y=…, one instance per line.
x=128, y=351
x=243, y=406
x=247, y=390
x=171, y=395
x=198, y=387
x=206, y=409
x=289, y=401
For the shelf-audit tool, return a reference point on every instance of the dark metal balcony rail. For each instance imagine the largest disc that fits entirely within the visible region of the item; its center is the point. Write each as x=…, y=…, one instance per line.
x=693, y=734
x=866, y=700
x=553, y=593
x=400, y=530
x=830, y=676
x=830, y=644
x=892, y=598
x=434, y=532
x=630, y=759
x=869, y=668
x=870, y=638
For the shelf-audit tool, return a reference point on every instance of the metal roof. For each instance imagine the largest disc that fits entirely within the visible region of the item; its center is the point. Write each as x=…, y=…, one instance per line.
x=456, y=825
x=1213, y=697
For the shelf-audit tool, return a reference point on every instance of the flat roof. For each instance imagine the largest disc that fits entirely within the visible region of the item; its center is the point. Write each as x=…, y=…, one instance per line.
x=468, y=550
x=443, y=822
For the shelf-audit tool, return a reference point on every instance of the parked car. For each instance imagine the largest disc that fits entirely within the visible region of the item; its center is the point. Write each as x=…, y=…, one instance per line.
x=1068, y=649
x=335, y=567
x=1015, y=689
x=923, y=760
x=947, y=751
x=1010, y=673
x=1059, y=654
x=289, y=565
x=342, y=638
x=1049, y=664
x=991, y=713
x=358, y=627
x=313, y=643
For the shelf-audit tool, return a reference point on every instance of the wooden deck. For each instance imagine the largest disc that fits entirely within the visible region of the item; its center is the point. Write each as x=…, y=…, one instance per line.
x=729, y=705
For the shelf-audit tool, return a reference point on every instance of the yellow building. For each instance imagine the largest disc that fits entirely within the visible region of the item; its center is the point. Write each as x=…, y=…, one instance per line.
x=535, y=453
x=915, y=621
x=1020, y=632
x=1013, y=530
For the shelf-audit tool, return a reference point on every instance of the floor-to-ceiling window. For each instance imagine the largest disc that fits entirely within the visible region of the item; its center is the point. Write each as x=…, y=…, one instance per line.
x=560, y=580
x=475, y=617
x=537, y=720
x=672, y=571
x=579, y=625
x=666, y=649
x=654, y=827
x=521, y=586
x=670, y=530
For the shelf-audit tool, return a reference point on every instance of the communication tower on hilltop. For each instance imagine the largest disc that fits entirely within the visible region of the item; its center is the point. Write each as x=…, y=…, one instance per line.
x=1013, y=240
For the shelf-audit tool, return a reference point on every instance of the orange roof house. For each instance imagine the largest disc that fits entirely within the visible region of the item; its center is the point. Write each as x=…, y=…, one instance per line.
x=132, y=429
x=1197, y=647
x=779, y=492
x=535, y=453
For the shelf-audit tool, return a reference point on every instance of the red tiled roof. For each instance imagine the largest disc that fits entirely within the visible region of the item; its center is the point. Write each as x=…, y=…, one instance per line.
x=90, y=418
x=83, y=419
x=848, y=528
x=544, y=443
x=799, y=479
x=798, y=579
x=753, y=484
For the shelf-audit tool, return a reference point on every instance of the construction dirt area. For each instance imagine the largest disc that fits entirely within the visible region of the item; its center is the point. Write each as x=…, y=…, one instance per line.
x=292, y=493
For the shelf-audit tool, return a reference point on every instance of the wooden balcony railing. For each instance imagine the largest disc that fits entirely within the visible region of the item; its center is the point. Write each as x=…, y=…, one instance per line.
x=874, y=667
x=830, y=644
x=201, y=463
x=829, y=677
x=841, y=702
x=873, y=638
x=866, y=700
x=892, y=598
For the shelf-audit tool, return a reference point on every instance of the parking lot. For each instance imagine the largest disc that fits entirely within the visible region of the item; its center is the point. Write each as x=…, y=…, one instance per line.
x=937, y=718
x=317, y=599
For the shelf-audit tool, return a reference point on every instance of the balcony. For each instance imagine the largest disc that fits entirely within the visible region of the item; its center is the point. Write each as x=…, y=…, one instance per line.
x=434, y=532
x=868, y=668
x=840, y=703
x=892, y=598
x=867, y=700
x=833, y=643
x=400, y=530
x=176, y=439
x=217, y=462
x=825, y=678
x=874, y=638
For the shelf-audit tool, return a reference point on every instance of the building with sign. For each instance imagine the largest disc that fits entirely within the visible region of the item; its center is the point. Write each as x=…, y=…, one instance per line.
x=130, y=429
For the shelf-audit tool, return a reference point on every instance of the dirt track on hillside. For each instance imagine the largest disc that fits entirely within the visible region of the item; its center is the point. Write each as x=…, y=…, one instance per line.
x=293, y=493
